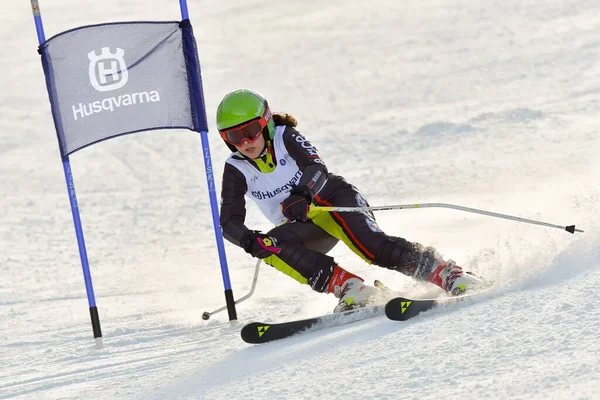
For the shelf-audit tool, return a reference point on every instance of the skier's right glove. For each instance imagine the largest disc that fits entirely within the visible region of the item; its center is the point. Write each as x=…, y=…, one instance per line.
x=296, y=206
x=261, y=245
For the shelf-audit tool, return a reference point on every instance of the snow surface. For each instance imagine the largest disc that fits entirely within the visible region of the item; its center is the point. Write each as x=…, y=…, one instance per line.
x=492, y=105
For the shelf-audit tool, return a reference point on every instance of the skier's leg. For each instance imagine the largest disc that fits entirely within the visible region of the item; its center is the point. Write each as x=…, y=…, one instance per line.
x=360, y=232
x=303, y=257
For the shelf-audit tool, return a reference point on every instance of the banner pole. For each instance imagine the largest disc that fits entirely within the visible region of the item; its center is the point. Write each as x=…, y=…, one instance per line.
x=37, y=16
x=184, y=9
x=210, y=179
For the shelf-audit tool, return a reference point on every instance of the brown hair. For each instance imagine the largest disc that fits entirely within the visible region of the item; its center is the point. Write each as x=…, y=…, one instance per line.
x=285, y=119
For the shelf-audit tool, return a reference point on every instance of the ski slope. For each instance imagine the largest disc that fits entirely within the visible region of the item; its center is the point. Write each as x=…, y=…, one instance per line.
x=491, y=105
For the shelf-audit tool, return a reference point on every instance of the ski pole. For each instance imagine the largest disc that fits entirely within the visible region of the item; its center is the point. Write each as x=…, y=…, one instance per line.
x=569, y=228
x=206, y=315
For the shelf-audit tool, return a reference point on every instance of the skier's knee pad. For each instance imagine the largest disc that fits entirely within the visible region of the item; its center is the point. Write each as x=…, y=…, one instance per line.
x=408, y=258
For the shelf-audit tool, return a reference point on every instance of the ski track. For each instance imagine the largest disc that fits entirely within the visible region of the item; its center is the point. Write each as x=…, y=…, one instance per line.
x=486, y=105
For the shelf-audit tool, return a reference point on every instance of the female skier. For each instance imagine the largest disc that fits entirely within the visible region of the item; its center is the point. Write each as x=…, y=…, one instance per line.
x=282, y=172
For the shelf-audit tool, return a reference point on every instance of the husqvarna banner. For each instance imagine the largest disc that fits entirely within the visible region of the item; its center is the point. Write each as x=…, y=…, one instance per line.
x=113, y=79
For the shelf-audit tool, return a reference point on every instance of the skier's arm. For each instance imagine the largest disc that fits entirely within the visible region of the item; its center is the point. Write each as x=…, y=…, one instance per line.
x=314, y=170
x=233, y=207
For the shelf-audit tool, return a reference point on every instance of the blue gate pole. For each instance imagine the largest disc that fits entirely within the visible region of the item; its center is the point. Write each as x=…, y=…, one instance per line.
x=213, y=198
x=37, y=16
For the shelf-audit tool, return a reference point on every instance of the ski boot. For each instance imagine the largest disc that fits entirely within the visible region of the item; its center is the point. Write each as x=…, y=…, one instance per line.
x=351, y=290
x=452, y=279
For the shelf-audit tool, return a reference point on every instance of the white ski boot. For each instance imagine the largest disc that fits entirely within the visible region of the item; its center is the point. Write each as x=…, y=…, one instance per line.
x=351, y=290
x=451, y=278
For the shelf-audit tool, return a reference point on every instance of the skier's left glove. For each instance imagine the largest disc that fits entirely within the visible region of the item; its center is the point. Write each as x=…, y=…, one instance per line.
x=261, y=245
x=295, y=207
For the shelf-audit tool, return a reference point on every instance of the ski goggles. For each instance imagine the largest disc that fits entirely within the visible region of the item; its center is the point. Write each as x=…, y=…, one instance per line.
x=248, y=131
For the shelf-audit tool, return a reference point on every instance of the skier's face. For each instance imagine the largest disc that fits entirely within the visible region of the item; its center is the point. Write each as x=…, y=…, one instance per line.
x=252, y=149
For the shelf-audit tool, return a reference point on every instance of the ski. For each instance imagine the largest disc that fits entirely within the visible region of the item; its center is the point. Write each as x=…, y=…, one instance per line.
x=397, y=309
x=263, y=332
x=404, y=308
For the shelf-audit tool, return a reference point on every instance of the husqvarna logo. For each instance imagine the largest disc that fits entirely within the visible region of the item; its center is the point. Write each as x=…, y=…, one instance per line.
x=108, y=70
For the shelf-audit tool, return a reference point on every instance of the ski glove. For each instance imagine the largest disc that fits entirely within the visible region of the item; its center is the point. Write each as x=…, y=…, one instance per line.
x=261, y=245
x=295, y=207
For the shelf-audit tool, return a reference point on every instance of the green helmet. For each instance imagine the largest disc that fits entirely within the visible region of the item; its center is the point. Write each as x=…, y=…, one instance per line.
x=241, y=106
